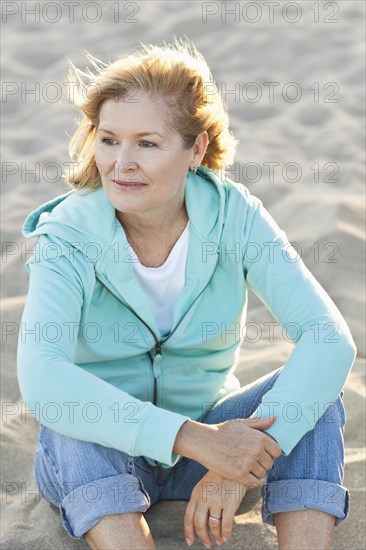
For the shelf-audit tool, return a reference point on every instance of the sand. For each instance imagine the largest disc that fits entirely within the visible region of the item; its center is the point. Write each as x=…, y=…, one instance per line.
x=316, y=194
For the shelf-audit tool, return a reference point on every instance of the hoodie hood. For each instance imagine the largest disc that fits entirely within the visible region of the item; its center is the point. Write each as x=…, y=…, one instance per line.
x=87, y=221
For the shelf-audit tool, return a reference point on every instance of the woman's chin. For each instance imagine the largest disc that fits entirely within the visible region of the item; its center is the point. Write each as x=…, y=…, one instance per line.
x=125, y=203
x=127, y=207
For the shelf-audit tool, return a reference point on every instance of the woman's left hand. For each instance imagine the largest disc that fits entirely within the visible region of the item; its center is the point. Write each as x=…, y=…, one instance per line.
x=219, y=497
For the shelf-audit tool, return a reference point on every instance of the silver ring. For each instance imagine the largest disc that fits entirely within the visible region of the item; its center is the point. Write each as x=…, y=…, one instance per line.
x=212, y=517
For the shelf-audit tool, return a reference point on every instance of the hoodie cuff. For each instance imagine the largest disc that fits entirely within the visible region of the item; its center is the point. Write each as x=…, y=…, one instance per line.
x=157, y=435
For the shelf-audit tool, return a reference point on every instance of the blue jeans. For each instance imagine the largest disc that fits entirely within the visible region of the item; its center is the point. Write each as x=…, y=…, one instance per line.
x=87, y=481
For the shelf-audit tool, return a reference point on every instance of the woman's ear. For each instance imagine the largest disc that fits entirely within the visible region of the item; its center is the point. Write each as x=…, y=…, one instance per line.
x=200, y=147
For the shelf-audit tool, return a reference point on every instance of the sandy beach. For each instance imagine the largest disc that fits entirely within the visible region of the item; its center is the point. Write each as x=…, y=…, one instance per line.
x=293, y=80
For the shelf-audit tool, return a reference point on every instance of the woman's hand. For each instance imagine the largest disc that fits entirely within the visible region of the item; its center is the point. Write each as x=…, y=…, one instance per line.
x=242, y=451
x=237, y=449
x=219, y=497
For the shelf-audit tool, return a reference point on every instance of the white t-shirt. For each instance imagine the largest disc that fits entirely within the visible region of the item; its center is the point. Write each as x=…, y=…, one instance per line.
x=163, y=284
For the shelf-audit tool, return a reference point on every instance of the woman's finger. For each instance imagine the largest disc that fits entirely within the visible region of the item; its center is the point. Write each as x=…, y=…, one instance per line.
x=189, y=521
x=215, y=524
x=252, y=481
x=266, y=461
x=272, y=448
x=200, y=521
x=258, y=471
x=227, y=521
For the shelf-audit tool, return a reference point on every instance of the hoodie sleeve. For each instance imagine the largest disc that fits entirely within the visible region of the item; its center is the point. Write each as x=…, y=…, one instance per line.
x=63, y=396
x=324, y=351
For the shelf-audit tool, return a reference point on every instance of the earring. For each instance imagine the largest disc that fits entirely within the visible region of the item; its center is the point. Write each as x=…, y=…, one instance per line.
x=193, y=170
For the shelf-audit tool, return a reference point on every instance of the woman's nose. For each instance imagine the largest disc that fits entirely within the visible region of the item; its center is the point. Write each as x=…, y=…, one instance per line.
x=123, y=154
x=124, y=162
x=121, y=167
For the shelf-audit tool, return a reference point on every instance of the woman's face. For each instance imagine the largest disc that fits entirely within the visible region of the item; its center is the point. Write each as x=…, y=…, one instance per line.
x=135, y=145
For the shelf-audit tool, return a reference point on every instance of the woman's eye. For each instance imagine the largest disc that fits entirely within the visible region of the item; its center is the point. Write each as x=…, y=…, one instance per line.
x=107, y=140
x=145, y=144
x=150, y=144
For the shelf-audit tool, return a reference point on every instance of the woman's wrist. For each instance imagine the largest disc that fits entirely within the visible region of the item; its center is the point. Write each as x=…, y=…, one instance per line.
x=190, y=438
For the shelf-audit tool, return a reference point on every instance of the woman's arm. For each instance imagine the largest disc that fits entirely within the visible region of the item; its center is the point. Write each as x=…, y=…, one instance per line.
x=324, y=353
x=65, y=397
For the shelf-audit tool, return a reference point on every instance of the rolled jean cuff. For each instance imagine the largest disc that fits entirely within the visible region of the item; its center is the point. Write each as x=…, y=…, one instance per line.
x=299, y=494
x=83, y=507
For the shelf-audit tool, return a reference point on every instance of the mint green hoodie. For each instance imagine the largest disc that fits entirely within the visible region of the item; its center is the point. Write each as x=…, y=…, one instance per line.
x=92, y=363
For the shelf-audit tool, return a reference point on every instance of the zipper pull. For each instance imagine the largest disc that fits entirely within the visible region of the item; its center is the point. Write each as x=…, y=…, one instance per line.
x=157, y=360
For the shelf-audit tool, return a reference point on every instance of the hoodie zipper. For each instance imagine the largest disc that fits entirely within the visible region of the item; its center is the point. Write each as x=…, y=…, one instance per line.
x=156, y=360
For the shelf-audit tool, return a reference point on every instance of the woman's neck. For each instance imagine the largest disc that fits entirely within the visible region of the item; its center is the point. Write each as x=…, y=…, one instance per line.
x=143, y=230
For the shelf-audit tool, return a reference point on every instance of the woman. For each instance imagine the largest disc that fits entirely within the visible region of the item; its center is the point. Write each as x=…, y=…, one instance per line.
x=138, y=293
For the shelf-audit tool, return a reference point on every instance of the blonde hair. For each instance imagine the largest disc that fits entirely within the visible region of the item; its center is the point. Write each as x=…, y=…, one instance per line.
x=175, y=73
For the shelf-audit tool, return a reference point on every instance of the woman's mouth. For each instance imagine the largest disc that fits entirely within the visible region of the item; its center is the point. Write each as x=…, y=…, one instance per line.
x=128, y=185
